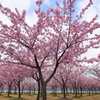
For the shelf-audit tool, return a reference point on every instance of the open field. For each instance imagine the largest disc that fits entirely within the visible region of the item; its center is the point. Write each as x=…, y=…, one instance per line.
x=3, y=96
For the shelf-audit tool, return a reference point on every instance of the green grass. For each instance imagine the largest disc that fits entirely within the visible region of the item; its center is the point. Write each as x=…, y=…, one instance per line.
x=50, y=96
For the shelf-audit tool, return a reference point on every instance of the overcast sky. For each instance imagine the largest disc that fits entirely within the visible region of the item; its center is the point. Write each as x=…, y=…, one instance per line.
x=29, y=6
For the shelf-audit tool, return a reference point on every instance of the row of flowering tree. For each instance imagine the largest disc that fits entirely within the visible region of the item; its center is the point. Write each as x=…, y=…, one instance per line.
x=66, y=78
x=74, y=78
x=12, y=76
x=56, y=39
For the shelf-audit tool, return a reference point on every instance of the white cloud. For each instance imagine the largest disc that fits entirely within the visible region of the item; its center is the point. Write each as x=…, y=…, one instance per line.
x=19, y=4
x=47, y=2
x=89, y=14
x=31, y=19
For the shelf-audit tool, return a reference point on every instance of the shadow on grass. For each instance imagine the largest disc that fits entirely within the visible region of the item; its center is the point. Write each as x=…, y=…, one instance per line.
x=93, y=94
x=17, y=99
x=31, y=94
x=7, y=97
x=78, y=97
x=1, y=95
x=64, y=99
x=53, y=94
x=12, y=98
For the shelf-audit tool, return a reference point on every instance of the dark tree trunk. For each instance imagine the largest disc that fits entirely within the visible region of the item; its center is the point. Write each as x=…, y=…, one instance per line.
x=9, y=90
x=19, y=93
x=38, y=95
x=81, y=91
x=64, y=91
x=89, y=91
x=44, y=95
x=76, y=92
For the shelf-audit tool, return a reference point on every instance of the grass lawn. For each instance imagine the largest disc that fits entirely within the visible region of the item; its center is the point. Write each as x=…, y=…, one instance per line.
x=3, y=96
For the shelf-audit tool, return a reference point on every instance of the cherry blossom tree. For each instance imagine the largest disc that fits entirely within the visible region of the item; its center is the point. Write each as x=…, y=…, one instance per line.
x=95, y=71
x=90, y=84
x=82, y=83
x=13, y=75
x=7, y=77
x=56, y=38
x=63, y=75
x=1, y=83
x=19, y=75
x=35, y=75
x=76, y=81
x=24, y=84
x=14, y=87
x=53, y=85
x=31, y=86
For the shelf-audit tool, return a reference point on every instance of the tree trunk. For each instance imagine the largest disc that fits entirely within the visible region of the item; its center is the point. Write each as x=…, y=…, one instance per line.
x=44, y=95
x=64, y=91
x=81, y=91
x=9, y=89
x=76, y=92
x=38, y=95
x=19, y=94
x=89, y=91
